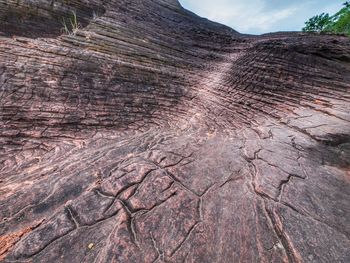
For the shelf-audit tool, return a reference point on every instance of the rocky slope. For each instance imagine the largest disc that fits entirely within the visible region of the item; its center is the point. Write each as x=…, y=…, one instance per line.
x=150, y=134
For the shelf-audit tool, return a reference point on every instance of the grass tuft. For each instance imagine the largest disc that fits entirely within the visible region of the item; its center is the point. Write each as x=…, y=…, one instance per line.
x=71, y=26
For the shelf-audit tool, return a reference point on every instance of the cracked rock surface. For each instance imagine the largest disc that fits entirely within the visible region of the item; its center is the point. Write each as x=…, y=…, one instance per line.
x=153, y=135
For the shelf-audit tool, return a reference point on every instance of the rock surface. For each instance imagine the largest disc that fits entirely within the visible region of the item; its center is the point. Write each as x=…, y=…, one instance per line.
x=150, y=134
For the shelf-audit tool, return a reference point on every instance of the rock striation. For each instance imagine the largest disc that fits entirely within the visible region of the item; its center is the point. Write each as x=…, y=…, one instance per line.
x=145, y=133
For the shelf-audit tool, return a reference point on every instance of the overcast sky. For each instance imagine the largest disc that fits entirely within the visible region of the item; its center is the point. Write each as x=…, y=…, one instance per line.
x=262, y=16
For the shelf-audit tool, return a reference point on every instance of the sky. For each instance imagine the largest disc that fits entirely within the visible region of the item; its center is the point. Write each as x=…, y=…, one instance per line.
x=262, y=16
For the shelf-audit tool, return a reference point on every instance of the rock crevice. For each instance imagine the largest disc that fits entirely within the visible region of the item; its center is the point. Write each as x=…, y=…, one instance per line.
x=149, y=134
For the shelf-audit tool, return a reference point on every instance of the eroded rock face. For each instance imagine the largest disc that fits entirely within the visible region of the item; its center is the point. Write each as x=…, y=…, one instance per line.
x=153, y=135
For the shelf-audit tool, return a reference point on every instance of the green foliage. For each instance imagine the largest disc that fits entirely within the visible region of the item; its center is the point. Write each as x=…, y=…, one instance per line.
x=338, y=23
x=317, y=23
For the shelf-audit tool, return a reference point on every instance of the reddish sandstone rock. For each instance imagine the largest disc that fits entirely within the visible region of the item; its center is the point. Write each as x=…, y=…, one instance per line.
x=150, y=134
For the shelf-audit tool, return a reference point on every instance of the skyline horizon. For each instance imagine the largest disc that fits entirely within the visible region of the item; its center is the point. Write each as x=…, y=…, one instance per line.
x=261, y=16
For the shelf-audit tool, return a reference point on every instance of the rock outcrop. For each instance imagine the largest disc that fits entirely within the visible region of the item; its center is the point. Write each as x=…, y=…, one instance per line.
x=149, y=134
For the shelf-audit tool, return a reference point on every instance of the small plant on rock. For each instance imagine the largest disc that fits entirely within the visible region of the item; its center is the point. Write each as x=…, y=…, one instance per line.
x=71, y=26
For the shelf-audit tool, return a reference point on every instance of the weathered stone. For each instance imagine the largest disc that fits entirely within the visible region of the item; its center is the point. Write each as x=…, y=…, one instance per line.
x=149, y=134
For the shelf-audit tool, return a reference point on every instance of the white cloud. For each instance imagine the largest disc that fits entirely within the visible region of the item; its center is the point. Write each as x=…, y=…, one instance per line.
x=264, y=21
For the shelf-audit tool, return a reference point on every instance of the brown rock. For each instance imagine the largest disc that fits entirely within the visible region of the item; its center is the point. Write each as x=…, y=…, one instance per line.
x=159, y=136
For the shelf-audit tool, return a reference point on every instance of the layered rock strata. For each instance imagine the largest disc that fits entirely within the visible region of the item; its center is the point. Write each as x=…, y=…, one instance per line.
x=144, y=133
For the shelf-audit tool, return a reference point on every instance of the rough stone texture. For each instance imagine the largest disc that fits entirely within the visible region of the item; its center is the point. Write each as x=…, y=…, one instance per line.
x=153, y=135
